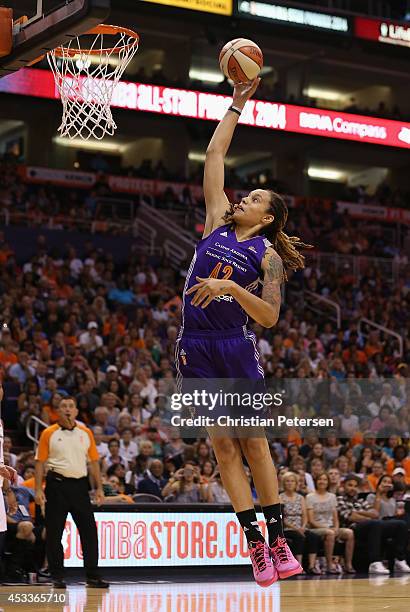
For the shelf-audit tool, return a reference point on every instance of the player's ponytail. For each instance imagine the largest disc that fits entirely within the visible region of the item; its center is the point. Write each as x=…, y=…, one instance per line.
x=287, y=247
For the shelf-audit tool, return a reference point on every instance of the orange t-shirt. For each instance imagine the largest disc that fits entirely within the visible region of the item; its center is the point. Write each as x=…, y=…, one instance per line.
x=7, y=358
x=52, y=414
x=356, y=439
x=373, y=480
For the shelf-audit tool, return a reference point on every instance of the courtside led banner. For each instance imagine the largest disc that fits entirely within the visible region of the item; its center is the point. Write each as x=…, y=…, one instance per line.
x=212, y=107
x=173, y=539
x=221, y=7
x=382, y=31
x=292, y=16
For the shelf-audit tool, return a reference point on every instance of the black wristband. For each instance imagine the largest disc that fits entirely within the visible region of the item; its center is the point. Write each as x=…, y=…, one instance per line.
x=235, y=110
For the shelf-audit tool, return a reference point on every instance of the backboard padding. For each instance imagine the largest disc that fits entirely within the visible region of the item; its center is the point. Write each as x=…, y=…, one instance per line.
x=52, y=30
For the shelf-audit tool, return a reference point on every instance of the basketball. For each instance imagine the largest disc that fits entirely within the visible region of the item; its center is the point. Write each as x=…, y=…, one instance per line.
x=241, y=60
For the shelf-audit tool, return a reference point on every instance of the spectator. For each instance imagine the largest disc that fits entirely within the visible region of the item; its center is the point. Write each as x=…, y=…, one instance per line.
x=317, y=466
x=324, y=521
x=365, y=462
x=203, y=452
x=358, y=514
x=102, y=447
x=114, y=457
x=21, y=371
x=349, y=422
x=380, y=421
x=306, y=484
x=153, y=480
x=388, y=399
x=317, y=452
x=300, y=538
x=21, y=537
x=292, y=452
x=215, y=491
x=308, y=444
x=207, y=470
x=383, y=501
x=377, y=470
x=332, y=448
x=101, y=415
x=184, y=486
x=400, y=459
x=390, y=445
x=128, y=448
x=335, y=482
x=7, y=446
x=90, y=340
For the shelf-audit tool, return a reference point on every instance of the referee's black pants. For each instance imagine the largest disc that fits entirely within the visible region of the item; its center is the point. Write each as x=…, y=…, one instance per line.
x=64, y=496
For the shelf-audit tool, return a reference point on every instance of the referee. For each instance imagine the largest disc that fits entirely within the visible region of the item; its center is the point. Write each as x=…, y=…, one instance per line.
x=66, y=448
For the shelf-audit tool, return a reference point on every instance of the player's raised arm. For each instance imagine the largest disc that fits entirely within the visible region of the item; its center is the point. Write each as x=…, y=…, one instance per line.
x=214, y=173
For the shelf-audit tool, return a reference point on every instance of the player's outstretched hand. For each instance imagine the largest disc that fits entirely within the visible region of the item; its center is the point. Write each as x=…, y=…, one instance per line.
x=244, y=91
x=1, y=392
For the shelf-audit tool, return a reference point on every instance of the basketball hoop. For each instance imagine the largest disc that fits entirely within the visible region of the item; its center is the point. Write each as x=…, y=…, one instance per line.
x=86, y=80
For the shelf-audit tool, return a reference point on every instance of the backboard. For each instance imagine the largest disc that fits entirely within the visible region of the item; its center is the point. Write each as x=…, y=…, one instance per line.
x=53, y=24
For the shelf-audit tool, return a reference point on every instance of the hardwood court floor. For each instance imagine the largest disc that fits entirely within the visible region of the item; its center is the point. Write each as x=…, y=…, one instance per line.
x=323, y=595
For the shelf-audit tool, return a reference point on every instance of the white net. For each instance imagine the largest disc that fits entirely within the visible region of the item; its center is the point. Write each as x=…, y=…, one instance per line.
x=86, y=81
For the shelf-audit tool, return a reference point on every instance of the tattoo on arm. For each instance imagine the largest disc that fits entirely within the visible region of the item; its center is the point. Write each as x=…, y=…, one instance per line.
x=274, y=267
x=271, y=293
x=273, y=277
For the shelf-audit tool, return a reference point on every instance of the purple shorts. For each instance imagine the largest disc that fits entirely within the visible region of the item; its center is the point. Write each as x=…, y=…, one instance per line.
x=227, y=353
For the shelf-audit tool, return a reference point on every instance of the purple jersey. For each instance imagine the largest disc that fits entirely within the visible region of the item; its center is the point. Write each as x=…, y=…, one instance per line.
x=221, y=255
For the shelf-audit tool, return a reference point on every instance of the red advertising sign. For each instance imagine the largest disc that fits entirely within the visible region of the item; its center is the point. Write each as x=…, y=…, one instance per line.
x=382, y=30
x=199, y=105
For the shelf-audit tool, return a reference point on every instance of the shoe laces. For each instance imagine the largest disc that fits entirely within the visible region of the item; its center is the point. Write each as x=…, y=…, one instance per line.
x=258, y=554
x=280, y=550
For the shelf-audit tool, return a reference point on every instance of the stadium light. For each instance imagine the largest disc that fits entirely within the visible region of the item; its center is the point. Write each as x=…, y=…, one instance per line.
x=209, y=76
x=91, y=145
x=324, y=94
x=326, y=174
x=196, y=157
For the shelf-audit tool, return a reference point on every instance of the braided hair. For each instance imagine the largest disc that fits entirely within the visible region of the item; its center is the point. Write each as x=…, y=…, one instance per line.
x=287, y=247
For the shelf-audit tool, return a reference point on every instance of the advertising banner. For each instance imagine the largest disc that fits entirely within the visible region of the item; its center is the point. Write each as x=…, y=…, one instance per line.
x=175, y=102
x=382, y=31
x=293, y=16
x=173, y=539
x=220, y=7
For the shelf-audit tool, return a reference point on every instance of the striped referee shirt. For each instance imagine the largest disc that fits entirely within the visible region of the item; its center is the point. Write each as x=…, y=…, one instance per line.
x=67, y=451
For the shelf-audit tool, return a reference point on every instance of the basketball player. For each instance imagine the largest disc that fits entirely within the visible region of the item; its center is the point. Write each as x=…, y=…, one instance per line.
x=221, y=293
x=7, y=475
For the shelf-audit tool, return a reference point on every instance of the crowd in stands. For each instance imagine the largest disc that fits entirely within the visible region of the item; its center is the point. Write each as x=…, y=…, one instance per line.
x=82, y=324
x=319, y=223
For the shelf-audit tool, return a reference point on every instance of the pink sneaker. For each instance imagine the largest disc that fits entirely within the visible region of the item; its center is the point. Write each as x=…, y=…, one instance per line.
x=264, y=571
x=285, y=563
